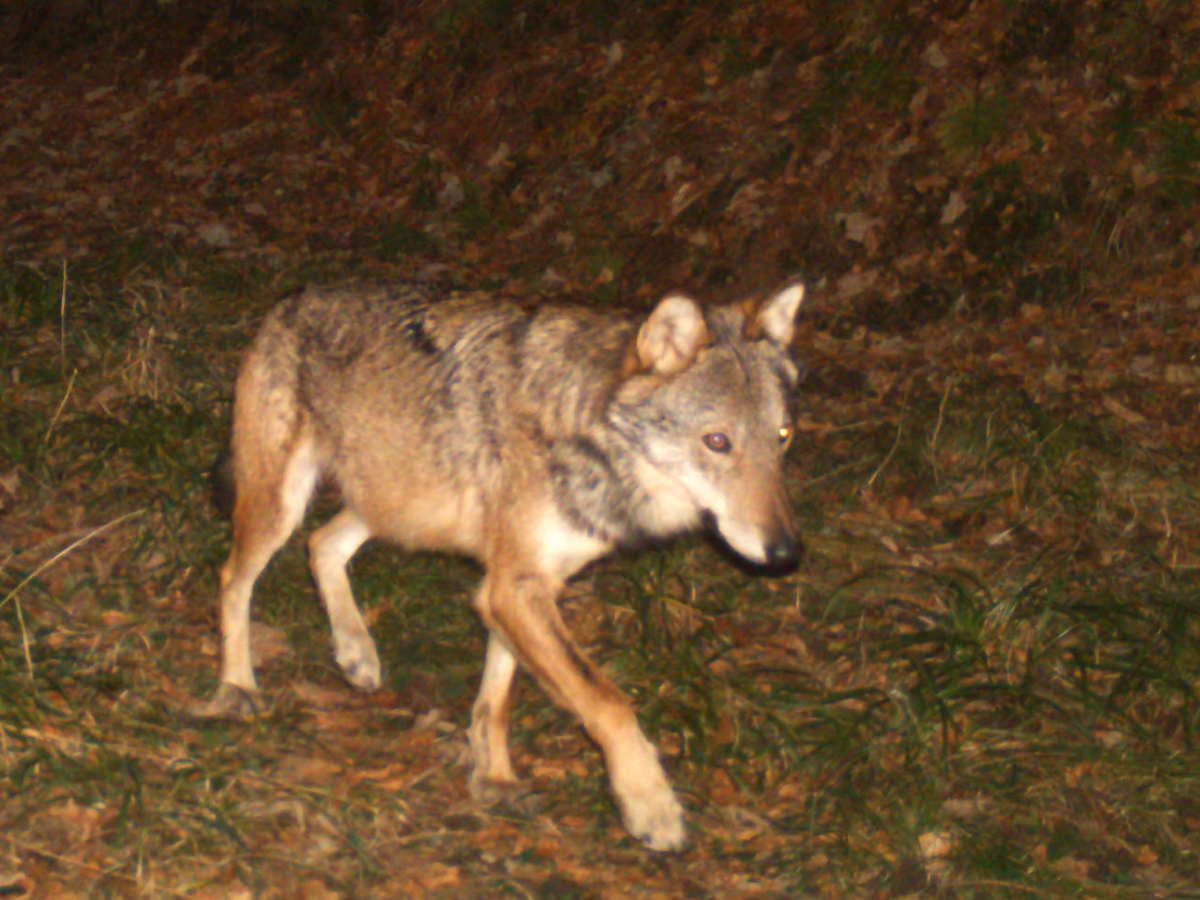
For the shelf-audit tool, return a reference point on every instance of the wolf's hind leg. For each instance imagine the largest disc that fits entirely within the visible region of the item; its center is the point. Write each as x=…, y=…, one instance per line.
x=491, y=767
x=330, y=548
x=266, y=513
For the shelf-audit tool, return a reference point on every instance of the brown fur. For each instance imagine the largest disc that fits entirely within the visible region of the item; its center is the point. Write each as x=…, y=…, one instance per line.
x=532, y=440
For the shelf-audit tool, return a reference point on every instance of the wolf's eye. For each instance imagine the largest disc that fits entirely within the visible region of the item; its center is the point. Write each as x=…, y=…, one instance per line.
x=785, y=435
x=718, y=442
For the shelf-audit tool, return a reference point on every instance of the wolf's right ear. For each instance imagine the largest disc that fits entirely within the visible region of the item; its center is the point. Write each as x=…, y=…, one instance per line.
x=775, y=318
x=671, y=338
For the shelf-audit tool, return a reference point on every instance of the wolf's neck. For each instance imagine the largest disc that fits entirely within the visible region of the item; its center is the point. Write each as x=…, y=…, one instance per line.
x=607, y=489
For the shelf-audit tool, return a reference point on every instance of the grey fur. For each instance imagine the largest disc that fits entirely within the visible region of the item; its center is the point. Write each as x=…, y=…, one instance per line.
x=533, y=439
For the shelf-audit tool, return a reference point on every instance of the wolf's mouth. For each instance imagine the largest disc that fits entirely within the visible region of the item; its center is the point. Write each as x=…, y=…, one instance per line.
x=781, y=559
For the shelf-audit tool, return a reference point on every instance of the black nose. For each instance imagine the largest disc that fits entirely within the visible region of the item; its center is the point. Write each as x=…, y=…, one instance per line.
x=783, y=556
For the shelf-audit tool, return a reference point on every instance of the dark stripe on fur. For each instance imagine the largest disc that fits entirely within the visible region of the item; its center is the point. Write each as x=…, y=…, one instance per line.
x=419, y=335
x=583, y=666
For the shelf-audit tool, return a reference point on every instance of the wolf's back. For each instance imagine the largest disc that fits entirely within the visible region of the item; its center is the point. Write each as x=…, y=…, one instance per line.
x=469, y=356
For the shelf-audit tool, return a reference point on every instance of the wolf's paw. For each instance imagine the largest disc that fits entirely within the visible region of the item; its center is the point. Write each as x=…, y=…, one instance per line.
x=651, y=811
x=492, y=791
x=655, y=818
x=359, y=662
x=228, y=702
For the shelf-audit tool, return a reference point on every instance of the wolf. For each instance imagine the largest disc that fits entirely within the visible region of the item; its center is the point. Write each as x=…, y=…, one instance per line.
x=535, y=440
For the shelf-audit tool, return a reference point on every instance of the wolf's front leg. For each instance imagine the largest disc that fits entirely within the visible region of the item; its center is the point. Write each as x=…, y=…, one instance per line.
x=522, y=609
x=491, y=768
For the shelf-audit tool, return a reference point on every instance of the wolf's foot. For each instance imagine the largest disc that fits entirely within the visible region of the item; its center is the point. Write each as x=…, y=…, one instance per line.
x=363, y=674
x=228, y=702
x=656, y=819
x=651, y=811
x=359, y=661
x=491, y=791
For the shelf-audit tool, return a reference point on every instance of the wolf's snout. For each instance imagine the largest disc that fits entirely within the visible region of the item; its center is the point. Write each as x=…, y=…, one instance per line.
x=783, y=555
x=778, y=551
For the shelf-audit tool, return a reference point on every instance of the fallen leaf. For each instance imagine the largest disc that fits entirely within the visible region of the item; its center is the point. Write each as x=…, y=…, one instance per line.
x=1121, y=411
x=954, y=208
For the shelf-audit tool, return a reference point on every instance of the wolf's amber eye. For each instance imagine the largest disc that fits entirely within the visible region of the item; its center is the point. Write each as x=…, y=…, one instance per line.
x=785, y=435
x=718, y=442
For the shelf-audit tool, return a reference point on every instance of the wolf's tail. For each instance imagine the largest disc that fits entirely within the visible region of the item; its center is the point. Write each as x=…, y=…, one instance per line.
x=222, y=485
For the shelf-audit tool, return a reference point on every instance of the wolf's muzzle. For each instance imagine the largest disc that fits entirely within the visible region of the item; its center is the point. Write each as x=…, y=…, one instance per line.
x=781, y=552
x=782, y=556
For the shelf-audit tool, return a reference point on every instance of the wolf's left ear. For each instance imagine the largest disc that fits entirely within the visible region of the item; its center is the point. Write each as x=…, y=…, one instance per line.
x=775, y=319
x=670, y=339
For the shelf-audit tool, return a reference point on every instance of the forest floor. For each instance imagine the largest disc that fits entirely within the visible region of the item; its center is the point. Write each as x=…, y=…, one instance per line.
x=984, y=681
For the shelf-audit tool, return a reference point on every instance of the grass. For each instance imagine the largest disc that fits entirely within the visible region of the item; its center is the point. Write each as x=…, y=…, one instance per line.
x=1178, y=159
x=989, y=646
x=975, y=123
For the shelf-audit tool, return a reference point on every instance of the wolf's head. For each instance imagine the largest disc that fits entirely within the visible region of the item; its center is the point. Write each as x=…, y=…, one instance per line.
x=709, y=406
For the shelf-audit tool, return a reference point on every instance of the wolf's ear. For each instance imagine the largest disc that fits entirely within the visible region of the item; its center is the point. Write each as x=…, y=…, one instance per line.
x=672, y=336
x=775, y=318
